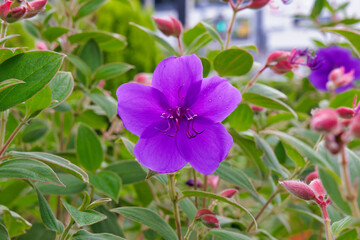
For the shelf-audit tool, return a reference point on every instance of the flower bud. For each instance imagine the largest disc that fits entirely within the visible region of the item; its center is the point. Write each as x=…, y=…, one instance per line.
x=333, y=143
x=34, y=7
x=299, y=189
x=101, y=84
x=318, y=188
x=143, y=78
x=345, y=112
x=311, y=176
x=326, y=120
x=191, y=183
x=15, y=14
x=213, y=181
x=228, y=193
x=41, y=45
x=4, y=10
x=256, y=108
x=203, y=212
x=210, y=221
x=339, y=78
x=172, y=27
x=279, y=61
x=355, y=126
x=256, y=4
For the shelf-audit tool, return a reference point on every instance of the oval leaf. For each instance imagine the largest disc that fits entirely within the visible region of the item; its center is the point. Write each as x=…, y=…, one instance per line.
x=107, y=182
x=111, y=70
x=233, y=62
x=107, y=41
x=61, y=87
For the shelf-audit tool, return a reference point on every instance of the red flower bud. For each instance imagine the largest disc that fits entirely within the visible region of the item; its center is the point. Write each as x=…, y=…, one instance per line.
x=210, y=221
x=203, y=212
x=345, y=112
x=172, y=27
x=15, y=14
x=279, y=61
x=318, y=188
x=355, y=126
x=339, y=78
x=213, y=181
x=326, y=120
x=35, y=7
x=311, y=176
x=4, y=10
x=143, y=78
x=228, y=193
x=256, y=4
x=299, y=189
x=256, y=108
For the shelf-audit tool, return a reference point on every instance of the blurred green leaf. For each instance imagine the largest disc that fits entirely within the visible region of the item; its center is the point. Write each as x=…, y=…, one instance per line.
x=107, y=41
x=84, y=235
x=233, y=62
x=266, y=91
x=100, y=99
x=345, y=99
x=148, y=218
x=228, y=235
x=351, y=35
x=34, y=131
x=111, y=70
x=340, y=225
x=317, y=8
x=4, y=233
x=15, y=224
x=37, y=231
x=206, y=66
x=53, y=33
x=106, y=182
x=83, y=218
x=89, y=7
x=213, y=33
x=81, y=66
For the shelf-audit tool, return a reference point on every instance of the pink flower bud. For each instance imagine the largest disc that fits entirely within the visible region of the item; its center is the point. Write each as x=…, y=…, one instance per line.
x=213, y=181
x=101, y=84
x=256, y=4
x=345, y=112
x=4, y=10
x=172, y=27
x=15, y=14
x=339, y=78
x=228, y=193
x=299, y=189
x=278, y=56
x=345, y=122
x=318, y=188
x=355, y=126
x=256, y=108
x=203, y=212
x=326, y=120
x=210, y=221
x=311, y=176
x=41, y=45
x=34, y=7
x=279, y=61
x=143, y=78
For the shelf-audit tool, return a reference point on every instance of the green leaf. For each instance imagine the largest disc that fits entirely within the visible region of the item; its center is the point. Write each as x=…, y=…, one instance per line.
x=88, y=148
x=30, y=169
x=89, y=7
x=228, y=235
x=267, y=102
x=188, y=207
x=83, y=218
x=61, y=87
x=47, y=216
x=5, y=54
x=91, y=54
x=233, y=62
x=8, y=83
x=269, y=156
x=241, y=118
x=331, y=186
x=301, y=147
x=107, y=105
x=294, y=155
x=37, y=70
x=107, y=182
x=110, y=225
x=220, y=198
x=349, y=235
x=148, y=218
x=352, y=36
x=235, y=176
x=80, y=65
x=213, y=33
x=345, y=99
x=37, y=231
x=98, y=203
x=128, y=145
x=54, y=160
x=108, y=42
x=157, y=38
x=90, y=118
x=340, y=225
x=53, y=33
x=34, y=131
x=111, y=70
x=73, y=186
x=38, y=102
x=201, y=41
x=317, y=8
x=266, y=91
x=84, y=235
x=4, y=233
x=206, y=66
x=31, y=28
x=15, y=224
x=7, y=38
x=129, y=171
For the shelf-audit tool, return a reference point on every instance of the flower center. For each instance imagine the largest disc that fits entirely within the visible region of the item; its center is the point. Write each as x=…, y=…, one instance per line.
x=174, y=116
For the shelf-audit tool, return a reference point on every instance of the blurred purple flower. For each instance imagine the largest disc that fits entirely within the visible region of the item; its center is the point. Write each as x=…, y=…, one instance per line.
x=333, y=59
x=191, y=182
x=178, y=117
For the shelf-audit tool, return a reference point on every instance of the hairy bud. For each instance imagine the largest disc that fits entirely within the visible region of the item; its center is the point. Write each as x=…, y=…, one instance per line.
x=326, y=120
x=172, y=27
x=299, y=189
x=345, y=112
x=229, y=192
x=34, y=7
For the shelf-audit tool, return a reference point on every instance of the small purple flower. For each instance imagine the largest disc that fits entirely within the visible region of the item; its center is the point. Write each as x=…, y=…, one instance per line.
x=178, y=117
x=333, y=59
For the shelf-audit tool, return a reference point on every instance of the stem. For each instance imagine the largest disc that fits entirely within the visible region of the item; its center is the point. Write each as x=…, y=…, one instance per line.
x=174, y=199
x=67, y=229
x=229, y=31
x=12, y=136
x=180, y=46
x=263, y=208
x=3, y=32
x=3, y=128
x=351, y=194
x=205, y=189
x=327, y=220
x=195, y=188
x=190, y=229
x=253, y=80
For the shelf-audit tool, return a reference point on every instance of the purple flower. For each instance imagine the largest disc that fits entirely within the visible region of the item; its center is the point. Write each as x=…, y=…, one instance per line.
x=178, y=117
x=337, y=71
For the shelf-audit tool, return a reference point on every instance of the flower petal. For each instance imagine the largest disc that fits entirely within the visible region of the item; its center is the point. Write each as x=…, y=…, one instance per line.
x=205, y=151
x=158, y=151
x=319, y=80
x=217, y=99
x=174, y=75
x=139, y=106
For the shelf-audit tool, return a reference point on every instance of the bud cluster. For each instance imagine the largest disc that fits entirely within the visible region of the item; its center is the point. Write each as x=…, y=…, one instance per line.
x=208, y=218
x=172, y=27
x=12, y=11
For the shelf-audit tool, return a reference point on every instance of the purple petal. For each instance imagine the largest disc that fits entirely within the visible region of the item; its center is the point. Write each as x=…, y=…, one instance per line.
x=158, y=151
x=174, y=75
x=217, y=99
x=319, y=80
x=139, y=106
x=205, y=151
